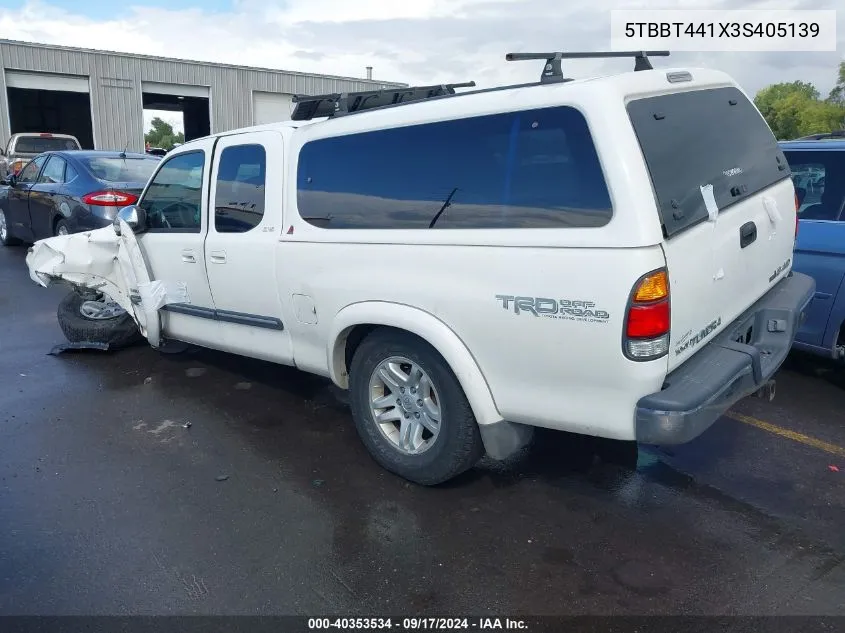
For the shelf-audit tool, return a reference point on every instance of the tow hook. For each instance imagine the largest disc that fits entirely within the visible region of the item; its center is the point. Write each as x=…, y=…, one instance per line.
x=767, y=391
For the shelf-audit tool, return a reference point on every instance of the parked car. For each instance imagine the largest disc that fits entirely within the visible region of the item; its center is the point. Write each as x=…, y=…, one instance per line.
x=23, y=147
x=66, y=192
x=473, y=265
x=820, y=248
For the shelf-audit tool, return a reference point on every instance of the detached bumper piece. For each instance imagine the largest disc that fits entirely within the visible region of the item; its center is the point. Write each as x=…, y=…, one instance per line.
x=737, y=362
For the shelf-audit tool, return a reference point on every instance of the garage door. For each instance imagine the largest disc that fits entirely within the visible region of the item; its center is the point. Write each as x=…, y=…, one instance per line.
x=50, y=102
x=46, y=81
x=270, y=107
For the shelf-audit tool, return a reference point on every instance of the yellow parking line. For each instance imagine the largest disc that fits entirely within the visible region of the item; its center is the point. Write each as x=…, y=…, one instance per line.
x=833, y=449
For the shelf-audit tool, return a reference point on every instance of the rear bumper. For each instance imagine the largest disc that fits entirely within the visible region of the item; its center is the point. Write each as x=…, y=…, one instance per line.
x=697, y=393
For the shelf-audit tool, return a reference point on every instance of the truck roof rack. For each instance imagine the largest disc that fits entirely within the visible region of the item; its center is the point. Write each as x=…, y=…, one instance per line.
x=339, y=104
x=553, y=71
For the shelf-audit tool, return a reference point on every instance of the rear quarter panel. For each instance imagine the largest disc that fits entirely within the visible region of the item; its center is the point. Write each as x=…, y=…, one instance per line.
x=556, y=370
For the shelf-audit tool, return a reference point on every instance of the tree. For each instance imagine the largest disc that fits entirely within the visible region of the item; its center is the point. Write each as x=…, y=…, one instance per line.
x=794, y=109
x=162, y=134
x=778, y=102
x=822, y=116
x=837, y=95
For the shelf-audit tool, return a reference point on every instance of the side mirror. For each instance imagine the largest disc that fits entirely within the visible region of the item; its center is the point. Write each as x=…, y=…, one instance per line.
x=11, y=180
x=134, y=216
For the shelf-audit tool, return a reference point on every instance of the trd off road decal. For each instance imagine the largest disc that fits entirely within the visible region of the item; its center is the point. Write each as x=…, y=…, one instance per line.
x=566, y=309
x=689, y=340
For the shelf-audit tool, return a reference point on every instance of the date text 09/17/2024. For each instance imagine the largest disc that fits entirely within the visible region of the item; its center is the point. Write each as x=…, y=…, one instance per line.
x=418, y=624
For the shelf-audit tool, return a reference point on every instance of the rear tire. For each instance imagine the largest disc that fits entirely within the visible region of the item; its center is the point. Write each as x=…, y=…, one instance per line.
x=452, y=448
x=117, y=332
x=5, y=237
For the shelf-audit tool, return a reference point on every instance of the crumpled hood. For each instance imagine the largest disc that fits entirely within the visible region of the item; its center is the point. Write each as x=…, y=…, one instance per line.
x=94, y=259
x=109, y=263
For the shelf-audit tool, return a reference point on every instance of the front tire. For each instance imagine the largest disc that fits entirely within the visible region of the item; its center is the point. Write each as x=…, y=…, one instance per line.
x=5, y=236
x=410, y=410
x=81, y=323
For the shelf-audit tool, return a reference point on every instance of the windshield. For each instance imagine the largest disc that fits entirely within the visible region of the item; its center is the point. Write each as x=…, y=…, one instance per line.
x=704, y=137
x=38, y=144
x=116, y=169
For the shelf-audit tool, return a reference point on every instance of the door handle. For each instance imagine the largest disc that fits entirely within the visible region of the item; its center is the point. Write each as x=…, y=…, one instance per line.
x=747, y=234
x=189, y=257
x=218, y=257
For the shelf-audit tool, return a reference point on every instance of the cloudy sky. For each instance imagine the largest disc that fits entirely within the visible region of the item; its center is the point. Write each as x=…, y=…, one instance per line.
x=410, y=41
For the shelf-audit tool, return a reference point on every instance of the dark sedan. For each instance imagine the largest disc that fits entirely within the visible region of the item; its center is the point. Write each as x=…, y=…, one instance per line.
x=71, y=191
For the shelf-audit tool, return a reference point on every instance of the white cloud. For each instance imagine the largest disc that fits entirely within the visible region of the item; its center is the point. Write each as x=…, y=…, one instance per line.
x=419, y=41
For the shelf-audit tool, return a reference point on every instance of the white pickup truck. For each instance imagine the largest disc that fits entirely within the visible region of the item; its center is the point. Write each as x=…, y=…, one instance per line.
x=610, y=256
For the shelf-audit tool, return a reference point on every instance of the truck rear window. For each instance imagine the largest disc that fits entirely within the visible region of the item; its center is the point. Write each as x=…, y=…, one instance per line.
x=38, y=144
x=704, y=137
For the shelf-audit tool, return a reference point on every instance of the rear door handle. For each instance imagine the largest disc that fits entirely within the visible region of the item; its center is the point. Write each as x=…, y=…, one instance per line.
x=188, y=256
x=747, y=234
x=218, y=257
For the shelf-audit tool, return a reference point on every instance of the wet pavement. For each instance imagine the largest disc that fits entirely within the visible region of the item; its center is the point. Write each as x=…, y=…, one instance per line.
x=136, y=482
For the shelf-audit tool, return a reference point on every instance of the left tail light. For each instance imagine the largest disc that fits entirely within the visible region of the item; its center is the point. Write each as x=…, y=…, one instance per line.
x=648, y=320
x=110, y=198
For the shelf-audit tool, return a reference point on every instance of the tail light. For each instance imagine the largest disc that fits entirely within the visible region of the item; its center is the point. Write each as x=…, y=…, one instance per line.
x=648, y=320
x=110, y=199
x=797, y=206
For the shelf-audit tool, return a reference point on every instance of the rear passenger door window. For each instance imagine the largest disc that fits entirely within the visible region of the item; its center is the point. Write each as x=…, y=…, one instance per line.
x=54, y=171
x=239, y=194
x=530, y=169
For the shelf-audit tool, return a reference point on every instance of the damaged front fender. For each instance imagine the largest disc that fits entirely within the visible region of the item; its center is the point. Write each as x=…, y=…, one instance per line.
x=113, y=264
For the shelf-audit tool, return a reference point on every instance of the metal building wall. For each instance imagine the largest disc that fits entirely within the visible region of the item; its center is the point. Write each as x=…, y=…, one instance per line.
x=115, y=87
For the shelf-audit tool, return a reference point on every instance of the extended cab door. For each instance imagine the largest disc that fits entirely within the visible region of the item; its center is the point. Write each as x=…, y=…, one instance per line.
x=243, y=237
x=177, y=210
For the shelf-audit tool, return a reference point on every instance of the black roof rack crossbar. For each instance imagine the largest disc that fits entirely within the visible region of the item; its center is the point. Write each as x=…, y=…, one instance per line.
x=338, y=104
x=553, y=71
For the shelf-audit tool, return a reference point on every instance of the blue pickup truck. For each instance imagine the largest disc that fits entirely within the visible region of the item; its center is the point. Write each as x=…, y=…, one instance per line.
x=818, y=171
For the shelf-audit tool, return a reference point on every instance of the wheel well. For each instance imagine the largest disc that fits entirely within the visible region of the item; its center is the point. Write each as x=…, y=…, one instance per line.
x=354, y=338
x=358, y=333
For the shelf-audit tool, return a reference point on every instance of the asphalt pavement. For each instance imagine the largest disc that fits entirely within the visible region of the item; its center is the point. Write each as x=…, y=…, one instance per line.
x=135, y=482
